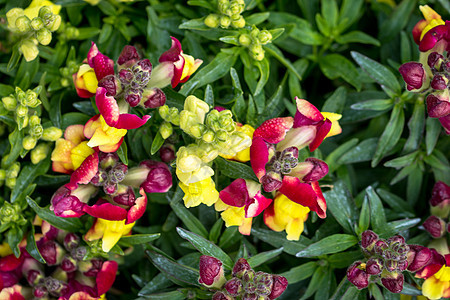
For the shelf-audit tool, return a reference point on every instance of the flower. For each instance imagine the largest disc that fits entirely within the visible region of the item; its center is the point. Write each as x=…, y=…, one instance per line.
x=103, y=136
x=435, y=226
x=243, y=155
x=29, y=49
x=32, y=11
x=240, y=202
x=437, y=286
x=203, y=191
x=70, y=151
x=414, y=76
x=211, y=272
x=285, y=214
x=190, y=167
x=109, y=231
x=85, y=81
x=427, y=32
x=440, y=199
x=15, y=292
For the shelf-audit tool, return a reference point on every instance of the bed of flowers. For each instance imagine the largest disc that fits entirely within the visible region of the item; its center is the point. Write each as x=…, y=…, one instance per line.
x=224, y=149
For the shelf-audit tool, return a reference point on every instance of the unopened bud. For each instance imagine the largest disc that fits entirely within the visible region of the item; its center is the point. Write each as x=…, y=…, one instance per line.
x=224, y=21
x=36, y=131
x=439, y=82
x=222, y=136
x=368, y=240
x=435, y=61
x=221, y=296
x=238, y=23
x=358, y=277
x=12, y=16
x=280, y=284
x=165, y=129
x=164, y=112
x=31, y=99
x=197, y=131
x=51, y=134
x=44, y=10
x=21, y=111
x=54, y=24
x=71, y=241
x=435, y=226
x=413, y=74
x=10, y=103
x=10, y=182
x=234, y=287
x=39, y=153
x=52, y=253
x=393, y=282
x=23, y=24
x=240, y=268
x=208, y=136
x=44, y=36
x=29, y=49
x=37, y=23
x=245, y=40
x=196, y=106
x=211, y=272
x=257, y=52
x=264, y=37
x=167, y=153
x=212, y=21
x=29, y=142
x=68, y=264
x=374, y=267
x=155, y=98
x=34, y=120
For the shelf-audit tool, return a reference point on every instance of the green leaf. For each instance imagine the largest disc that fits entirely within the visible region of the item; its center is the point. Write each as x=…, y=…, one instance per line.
x=346, y=290
x=410, y=290
x=275, y=52
x=214, y=234
x=336, y=102
x=336, y=65
x=377, y=216
x=433, y=129
x=390, y=135
x=172, y=269
x=341, y=205
x=216, y=69
x=194, y=24
x=416, y=125
x=5, y=90
x=344, y=259
x=263, y=257
x=173, y=295
x=202, y=3
x=206, y=247
x=301, y=272
x=332, y=159
x=395, y=227
x=375, y=291
x=364, y=151
x=278, y=240
x=395, y=202
x=405, y=47
x=330, y=244
x=302, y=32
x=26, y=178
x=264, y=71
x=122, y=152
x=323, y=25
x=137, y=239
x=378, y=72
x=209, y=96
x=257, y=18
x=319, y=277
x=32, y=248
x=329, y=11
x=402, y=161
x=377, y=104
x=69, y=224
x=13, y=238
x=188, y=219
x=158, y=141
x=391, y=27
x=357, y=37
x=15, y=140
x=15, y=58
x=235, y=170
x=349, y=13
x=364, y=216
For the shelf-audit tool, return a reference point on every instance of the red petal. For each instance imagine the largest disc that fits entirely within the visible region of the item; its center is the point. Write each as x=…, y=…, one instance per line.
x=322, y=212
x=138, y=209
x=319, y=170
x=417, y=30
x=173, y=54
x=10, y=262
x=93, y=51
x=106, y=210
x=85, y=172
x=433, y=36
x=269, y=215
x=274, y=130
x=259, y=156
x=107, y=106
x=445, y=122
x=301, y=193
x=106, y=277
x=433, y=266
x=236, y=194
x=256, y=205
x=103, y=66
x=322, y=130
x=130, y=121
x=178, y=67
x=307, y=114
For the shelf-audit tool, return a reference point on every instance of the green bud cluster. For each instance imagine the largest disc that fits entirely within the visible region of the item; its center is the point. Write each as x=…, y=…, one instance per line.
x=229, y=15
x=20, y=103
x=67, y=71
x=254, y=40
x=170, y=116
x=9, y=175
x=11, y=214
x=38, y=30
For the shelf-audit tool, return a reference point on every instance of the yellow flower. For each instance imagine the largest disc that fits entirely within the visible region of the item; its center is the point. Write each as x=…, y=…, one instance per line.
x=244, y=155
x=286, y=215
x=32, y=11
x=234, y=216
x=109, y=231
x=203, y=191
x=190, y=167
x=438, y=285
x=335, y=127
x=107, y=138
x=86, y=82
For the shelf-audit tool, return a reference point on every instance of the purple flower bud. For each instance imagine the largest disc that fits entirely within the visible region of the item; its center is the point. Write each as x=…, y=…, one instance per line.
x=390, y=265
x=413, y=74
x=374, y=266
x=51, y=252
x=129, y=55
x=91, y=268
x=107, y=160
x=250, y=285
x=380, y=246
x=167, y=153
x=145, y=65
x=250, y=296
x=240, y=268
x=54, y=286
x=221, y=296
x=32, y=270
x=318, y=171
x=356, y=276
x=71, y=241
x=111, y=84
x=66, y=204
x=110, y=188
x=368, y=239
x=118, y=172
x=125, y=76
x=435, y=60
x=127, y=197
x=396, y=239
x=234, y=287
x=78, y=253
x=40, y=291
x=280, y=284
x=159, y=178
x=271, y=181
x=100, y=178
x=393, y=282
x=437, y=107
x=402, y=265
x=154, y=98
x=211, y=272
x=439, y=82
x=133, y=97
x=435, y=226
x=264, y=282
x=68, y=264
x=440, y=195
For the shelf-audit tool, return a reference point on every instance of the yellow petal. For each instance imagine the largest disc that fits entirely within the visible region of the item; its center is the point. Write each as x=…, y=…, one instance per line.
x=432, y=288
x=294, y=229
x=428, y=13
x=91, y=82
x=233, y=216
x=79, y=154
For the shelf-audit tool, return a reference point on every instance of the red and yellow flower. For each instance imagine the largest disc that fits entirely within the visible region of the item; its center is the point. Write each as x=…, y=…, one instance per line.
x=431, y=31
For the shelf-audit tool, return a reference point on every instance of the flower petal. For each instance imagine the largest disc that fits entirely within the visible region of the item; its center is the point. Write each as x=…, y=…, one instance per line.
x=173, y=54
x=433, y=36
x=318, y=171
x=106, y=277
x=85, y=172
x=74, y=133
x=131, y=121
x=107, y=106
x=235, y=194
x=301, y=193
x=322, y=130
x=106, y=210
x=270, y=220
x=274, y=130
x=307, y=114
x=257, y=205
x=138, y=209
x=259, y=156
x=246, y=227
x=102, y=65
x=82, y=93
x=159, y=178
x=445, y=122
x=322, y=213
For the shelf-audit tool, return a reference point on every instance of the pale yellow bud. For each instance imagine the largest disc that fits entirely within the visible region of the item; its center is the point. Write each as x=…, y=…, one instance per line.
x=21, y=111
x=196, y=106
x=245, y=40
x=39, y=153
x=23, y=24
x=54, y=24
x=212, y=21
x=225, y=21
x=208, y=136
x=12, y=15
x=164, y=112
x=10, y=182
x=238, y=23
x=29, y=49
x=29, y=142
x=51, y=134
x=44, y=36
x=165, y=130
x=10, y=103
x=264, y=37
x=37, y=23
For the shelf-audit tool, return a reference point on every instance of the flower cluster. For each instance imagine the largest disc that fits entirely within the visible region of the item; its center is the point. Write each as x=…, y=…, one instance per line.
x=245, y=283
x=387, y=259
x=432, y=74
x=228, y=14
x=254, y=39
x=436, y=224
x=70, y=276
x=34, y=24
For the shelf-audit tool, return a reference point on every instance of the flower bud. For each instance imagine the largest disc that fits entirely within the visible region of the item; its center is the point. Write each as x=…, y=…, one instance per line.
x=54, y=24
x=154, y=98
x=198, y=107
x=211, y=272
x=51, y=134
x=208, y=136
x=36, y=131
x=280, y=284
x=167, y=153
x=39, y=153
x=10, y=103
x=10, y=182
x=21, y=111
x=111, y=84
x=44, y=10
x=12, y=15
x=125, y=196
x=71, y=241
x=34, y=120
x=435, y=60
x=439, y=82
x=264, y=37
x=374, y=266
x=393, y=282
x=440, y=195
x=37, y=23
x=238, y=23
x=133, y=97
x=68, y=264
x=40, y=291
x=435, y=226
x=357, y=276
x=23, y=24
x=224, y=21
x=29, y=142
x=44, y=36
x=52, y=253
x=264, y=283
x=54, y=286
x=240, y=268
x=368, y=240
x=29, y=49
x=437, y=107
x=245, y=40
x=32, y=270
x=221, y=296
x=414, y=75
x=271, y=181
x=234, y=287
x=31, y=98
x=196, y=131
x=129, y=56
